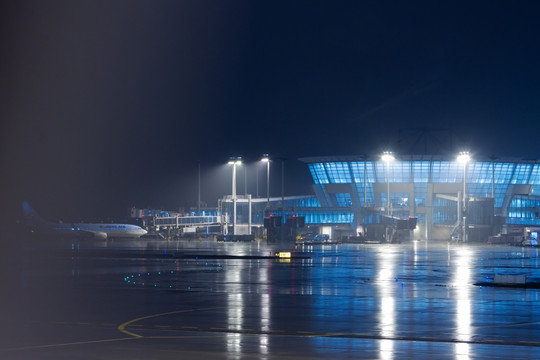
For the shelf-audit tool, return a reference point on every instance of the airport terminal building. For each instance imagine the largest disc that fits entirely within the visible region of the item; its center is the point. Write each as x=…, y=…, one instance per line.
x=485, y=197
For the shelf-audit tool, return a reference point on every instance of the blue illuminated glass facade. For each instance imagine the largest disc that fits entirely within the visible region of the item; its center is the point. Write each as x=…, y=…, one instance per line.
x=397, y=200
x=446, y=172
x=363, y=177
x=535, y=175
x=318, y=173
x=327, y=217
x=343, y=199
x=420, y=194
x=524, y=211
x=322, y=217
x=338, y=172
x=415, y=181
x=421, y=170
x=400, y=172
x=521, y=174
x=307, y=203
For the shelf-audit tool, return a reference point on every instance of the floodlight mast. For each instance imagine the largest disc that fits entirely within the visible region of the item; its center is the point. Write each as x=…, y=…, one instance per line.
x=464, y=157
x=387, y=157
x=266, y=159
x=234, y=162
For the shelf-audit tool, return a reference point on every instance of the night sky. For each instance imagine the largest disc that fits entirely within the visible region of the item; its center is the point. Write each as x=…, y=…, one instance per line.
x=110, y=104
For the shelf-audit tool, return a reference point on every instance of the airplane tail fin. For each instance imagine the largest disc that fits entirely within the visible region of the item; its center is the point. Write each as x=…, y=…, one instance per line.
x=32, y=218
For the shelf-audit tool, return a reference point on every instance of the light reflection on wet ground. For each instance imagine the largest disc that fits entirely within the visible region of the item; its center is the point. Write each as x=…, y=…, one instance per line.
x=191, y=299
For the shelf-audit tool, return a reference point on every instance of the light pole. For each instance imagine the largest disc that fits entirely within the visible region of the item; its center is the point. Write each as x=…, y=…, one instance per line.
x=387, y=157
x=199, y=192
x=234, y=162
x=464, y=158
x=266, y=159
x=283, y=221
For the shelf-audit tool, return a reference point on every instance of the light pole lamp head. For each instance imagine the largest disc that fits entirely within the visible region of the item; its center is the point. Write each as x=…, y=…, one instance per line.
x=387, y=156
x=235, y=161
x=265, y=158
x=464, y=157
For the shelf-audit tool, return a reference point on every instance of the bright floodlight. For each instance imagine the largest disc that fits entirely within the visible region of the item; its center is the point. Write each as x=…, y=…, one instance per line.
x=265, y=158
x=464, y=157
x=387, y=156
x=235, y=161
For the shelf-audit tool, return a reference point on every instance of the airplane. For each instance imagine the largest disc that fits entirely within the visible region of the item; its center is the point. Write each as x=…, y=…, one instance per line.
x=96, y=231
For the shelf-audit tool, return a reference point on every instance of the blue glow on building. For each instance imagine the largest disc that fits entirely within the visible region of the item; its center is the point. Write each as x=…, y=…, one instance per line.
x=351, y=196
x=322, y=217
x=424, y=186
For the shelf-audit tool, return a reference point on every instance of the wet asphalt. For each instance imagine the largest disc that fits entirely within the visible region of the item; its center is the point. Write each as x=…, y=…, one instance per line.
x=148, y=299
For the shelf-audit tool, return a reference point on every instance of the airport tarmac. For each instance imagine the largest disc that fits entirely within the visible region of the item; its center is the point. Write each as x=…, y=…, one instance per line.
x=148, y=299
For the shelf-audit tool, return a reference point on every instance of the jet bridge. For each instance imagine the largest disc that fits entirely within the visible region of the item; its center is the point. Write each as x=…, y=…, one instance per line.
x=177, y=222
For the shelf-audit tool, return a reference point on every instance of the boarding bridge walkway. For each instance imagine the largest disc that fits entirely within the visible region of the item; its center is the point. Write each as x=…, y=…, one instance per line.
x=187, y=221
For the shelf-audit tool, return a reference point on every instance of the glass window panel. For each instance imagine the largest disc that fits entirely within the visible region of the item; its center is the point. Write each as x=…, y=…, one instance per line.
x=446, y=172
x=523, y=210
x=343, y=199
x=380, y=171
x=311, y=202
x=420, y=171
x=370, y=201
x=397, y=200
x=500, y=192
x=357, y=169
x=400, y=171
x=338, y=172
x=420, y=193
x=327, y=217
x=535, y=175
x=370, y=169
x=318, y=173
x=313, y=173
x=479, y=189
x=521, y=174
x=479, y=173
x=503, y=173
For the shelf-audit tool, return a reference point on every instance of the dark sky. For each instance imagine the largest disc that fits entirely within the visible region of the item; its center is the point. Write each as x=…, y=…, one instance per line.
x=108, y=104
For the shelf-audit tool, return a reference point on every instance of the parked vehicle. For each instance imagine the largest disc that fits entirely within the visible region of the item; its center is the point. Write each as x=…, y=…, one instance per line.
x=322, y=237
x=313, y=239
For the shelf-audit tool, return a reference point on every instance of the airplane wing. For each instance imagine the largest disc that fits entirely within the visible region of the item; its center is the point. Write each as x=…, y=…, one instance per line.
x=90, y=233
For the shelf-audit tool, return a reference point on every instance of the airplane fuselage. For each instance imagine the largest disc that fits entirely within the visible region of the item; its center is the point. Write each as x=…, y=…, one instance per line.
x=111, y=230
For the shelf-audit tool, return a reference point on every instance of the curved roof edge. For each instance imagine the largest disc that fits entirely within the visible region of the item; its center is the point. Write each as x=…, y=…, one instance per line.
x=347, y=158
